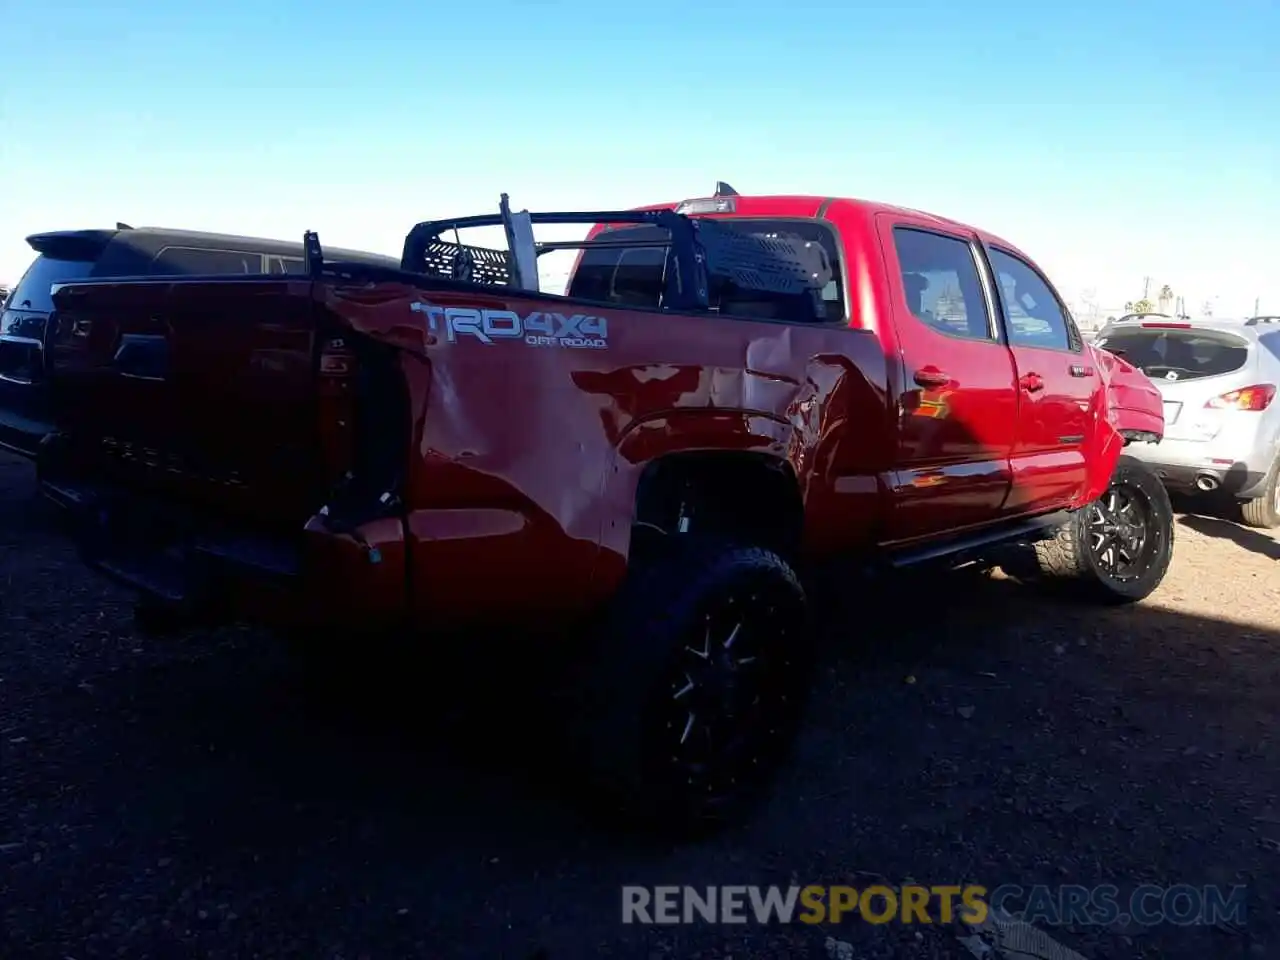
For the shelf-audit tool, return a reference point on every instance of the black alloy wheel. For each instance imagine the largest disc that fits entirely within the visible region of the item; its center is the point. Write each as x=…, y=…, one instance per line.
x=1118, y=548
x=1120, y=536
x=728, y=712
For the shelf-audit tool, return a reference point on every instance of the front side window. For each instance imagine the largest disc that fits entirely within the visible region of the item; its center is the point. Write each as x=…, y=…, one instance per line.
x=1033, y=314
x=941, y=283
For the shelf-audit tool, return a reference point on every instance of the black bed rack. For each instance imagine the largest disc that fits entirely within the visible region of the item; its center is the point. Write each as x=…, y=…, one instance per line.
x=702, y=255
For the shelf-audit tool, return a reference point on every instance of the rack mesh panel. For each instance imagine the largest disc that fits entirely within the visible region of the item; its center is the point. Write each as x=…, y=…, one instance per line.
x=787, y=265
x=472, y=264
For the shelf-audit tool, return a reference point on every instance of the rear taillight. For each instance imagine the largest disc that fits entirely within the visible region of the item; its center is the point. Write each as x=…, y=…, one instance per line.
x=336, y=360
x=1254, y=399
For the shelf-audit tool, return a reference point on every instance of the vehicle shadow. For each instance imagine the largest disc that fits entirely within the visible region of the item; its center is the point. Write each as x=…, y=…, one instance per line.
x=1250, y=540
x=964, y=727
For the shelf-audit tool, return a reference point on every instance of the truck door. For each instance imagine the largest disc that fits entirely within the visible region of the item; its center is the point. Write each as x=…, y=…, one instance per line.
x=1057, y=387
x=956, y=393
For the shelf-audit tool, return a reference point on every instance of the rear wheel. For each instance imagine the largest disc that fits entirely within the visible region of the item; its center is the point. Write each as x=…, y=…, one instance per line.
x=695, y=693
x=1263, y=511
x=1117, y=549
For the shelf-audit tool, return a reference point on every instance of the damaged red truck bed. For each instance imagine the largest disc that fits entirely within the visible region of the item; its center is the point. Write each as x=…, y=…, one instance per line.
x=732, y=388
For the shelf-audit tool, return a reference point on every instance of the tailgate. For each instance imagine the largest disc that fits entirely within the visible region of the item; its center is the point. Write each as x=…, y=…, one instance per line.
x=201, y=391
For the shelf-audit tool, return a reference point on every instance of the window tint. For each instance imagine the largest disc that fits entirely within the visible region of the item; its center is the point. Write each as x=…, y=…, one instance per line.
x=1178, y=354
x=193, y=260
x=632, y=276
x=32, y=291
x=1032, y=312
x=941, y=282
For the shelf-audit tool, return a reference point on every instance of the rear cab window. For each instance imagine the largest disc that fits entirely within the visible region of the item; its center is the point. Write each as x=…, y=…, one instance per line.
x=633, y=276
x=1177, y=354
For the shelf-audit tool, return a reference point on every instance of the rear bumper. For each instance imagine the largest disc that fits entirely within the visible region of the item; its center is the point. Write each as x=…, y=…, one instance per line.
x=1191, y=467
x=1236, y=479
x=24, y=419
x=170, y=557
x=208, y=570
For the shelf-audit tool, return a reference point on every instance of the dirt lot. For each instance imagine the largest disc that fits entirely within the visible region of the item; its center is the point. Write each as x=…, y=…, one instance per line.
x=192, y=799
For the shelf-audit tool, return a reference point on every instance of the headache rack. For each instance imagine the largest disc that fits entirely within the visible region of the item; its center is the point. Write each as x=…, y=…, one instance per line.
x=704, y=257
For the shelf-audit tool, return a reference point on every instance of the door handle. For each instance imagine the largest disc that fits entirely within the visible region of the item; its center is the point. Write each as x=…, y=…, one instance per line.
x=931, y=377
x=1031, y=382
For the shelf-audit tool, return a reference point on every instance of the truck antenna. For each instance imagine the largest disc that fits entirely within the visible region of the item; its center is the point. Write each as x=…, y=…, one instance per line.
x=724, y=190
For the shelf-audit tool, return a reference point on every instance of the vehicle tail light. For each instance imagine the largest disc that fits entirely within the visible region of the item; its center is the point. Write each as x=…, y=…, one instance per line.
x=1254, y=399
x=336, y=360
x=1167, y=326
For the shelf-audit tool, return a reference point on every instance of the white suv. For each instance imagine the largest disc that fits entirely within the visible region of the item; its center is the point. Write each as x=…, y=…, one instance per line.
x=1222, y=417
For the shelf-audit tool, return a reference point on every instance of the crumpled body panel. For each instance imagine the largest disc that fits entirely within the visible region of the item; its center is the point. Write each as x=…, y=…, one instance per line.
x=527, y=448
x=1133, y=405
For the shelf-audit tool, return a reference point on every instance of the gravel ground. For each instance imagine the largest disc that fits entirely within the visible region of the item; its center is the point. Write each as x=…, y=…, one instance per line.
x=192, y=798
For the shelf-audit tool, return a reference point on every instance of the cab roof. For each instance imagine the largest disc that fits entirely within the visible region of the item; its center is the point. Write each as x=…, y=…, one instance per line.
x=814, y=205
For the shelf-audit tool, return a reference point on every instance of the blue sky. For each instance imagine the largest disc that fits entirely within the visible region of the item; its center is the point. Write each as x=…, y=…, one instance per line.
x=1110, y=140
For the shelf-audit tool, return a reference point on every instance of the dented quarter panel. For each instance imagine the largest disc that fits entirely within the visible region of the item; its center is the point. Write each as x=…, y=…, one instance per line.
x=525, y=459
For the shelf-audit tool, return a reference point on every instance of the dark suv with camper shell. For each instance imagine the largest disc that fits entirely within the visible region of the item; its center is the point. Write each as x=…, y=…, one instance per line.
x=120, y=252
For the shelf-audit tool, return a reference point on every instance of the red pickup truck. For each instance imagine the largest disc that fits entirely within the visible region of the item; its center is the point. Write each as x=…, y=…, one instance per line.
x=731, y=388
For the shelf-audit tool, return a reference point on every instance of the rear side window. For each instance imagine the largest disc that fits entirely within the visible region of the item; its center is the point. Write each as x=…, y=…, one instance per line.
x=1271, y=341
x=285, y=265
x=198, y=261
x=1178, y=354
x=632, y=276
x=1032, y=313
x=941, y=283
x=32, y=291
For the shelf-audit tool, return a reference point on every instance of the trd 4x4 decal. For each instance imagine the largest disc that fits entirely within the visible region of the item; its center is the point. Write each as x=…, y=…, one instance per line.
x=579, y=331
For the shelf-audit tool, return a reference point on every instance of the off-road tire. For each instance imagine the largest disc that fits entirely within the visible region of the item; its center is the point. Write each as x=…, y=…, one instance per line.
x=1263, y=511
x=1068, y=560
x=624, y=703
